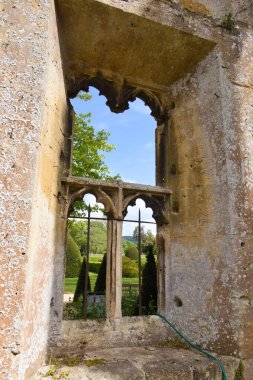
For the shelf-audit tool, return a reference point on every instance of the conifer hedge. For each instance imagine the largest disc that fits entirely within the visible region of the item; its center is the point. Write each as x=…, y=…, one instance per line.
x=73, y=258
x=80, y=286
x=149, y=282
x=100, y=285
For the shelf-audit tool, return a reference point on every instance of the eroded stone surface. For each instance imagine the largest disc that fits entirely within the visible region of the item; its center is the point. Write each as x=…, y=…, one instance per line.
x=153, y=363
x=204, y=155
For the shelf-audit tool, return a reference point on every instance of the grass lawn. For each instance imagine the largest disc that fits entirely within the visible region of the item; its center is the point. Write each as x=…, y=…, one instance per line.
x=70, y=283
x=132, y=280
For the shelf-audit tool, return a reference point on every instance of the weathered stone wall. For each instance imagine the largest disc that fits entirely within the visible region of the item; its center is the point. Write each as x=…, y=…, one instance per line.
x=33, y=110
x=210, y=174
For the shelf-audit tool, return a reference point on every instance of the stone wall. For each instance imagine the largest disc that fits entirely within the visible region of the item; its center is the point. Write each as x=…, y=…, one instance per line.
x=33, y=111
x=210, y=166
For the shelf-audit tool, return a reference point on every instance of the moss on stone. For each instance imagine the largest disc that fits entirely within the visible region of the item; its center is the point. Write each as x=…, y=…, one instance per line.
x=93, y=362
x=176, y=343
x=195, y=6
x=239, y=372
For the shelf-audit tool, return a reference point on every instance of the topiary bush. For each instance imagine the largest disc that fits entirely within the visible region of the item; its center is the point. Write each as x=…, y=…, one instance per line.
x=149, y=283
x=80, y=286
x=129, y=267
x=73, y=258
x=94, y=267
x=132, y=253
x=100, y=285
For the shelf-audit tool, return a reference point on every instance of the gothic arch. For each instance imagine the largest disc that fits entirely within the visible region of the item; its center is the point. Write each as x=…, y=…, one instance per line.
x=155, y=203
x=101, y=197
x=119, y=93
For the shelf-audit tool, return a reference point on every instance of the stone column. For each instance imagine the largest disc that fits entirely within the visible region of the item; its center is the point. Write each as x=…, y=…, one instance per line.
x=114, y=271
x=114, y=262
x=164, y=291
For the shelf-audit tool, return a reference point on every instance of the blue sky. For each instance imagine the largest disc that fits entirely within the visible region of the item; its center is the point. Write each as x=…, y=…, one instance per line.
x=133, y=134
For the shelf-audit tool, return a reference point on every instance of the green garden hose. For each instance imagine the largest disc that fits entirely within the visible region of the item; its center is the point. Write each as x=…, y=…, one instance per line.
x=223, y=371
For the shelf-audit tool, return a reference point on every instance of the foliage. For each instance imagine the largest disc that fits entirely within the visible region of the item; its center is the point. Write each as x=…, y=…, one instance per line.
x=88, y=146
x=129, y=304
x=96, y=309
x=228, y=22
x=149, y=283
x=73, y=310
x=98, y=235
x=132, y=253
x=78, y=230
x=51, y=371
x=147, y=239
x=88, y=161
x=73, y=258
x=81, y=282
x=239, y=372
x=129, y=267
x=94, y=267
x=100, y=285
x=126, y=244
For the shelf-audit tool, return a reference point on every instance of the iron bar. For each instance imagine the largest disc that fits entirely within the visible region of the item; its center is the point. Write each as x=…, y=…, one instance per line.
x=86, y=285
x=118, y=220
x=139, y=261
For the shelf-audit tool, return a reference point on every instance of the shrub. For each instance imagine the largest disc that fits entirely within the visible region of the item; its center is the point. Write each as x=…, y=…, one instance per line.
x=94, y=267
x=100, y=285
x=81, y=282
x=149, y=283
x=73, y=258
x=129, y=267
x=132, y=253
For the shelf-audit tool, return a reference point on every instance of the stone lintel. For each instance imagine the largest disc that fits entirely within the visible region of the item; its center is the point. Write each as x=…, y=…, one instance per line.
x=76, y=183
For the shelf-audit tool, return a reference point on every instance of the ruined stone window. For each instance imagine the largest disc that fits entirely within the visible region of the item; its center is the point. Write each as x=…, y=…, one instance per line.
x=117, y=195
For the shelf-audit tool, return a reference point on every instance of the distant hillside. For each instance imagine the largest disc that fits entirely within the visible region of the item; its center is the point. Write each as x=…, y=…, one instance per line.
x=129, y=238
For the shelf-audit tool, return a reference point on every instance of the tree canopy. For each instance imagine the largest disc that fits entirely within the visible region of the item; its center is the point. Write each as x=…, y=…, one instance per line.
x=89, y=145
x=147, y=239
x=98, y=235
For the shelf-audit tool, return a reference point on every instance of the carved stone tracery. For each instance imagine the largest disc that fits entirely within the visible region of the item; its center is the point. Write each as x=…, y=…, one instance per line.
x=119, y=92
x=107, y=193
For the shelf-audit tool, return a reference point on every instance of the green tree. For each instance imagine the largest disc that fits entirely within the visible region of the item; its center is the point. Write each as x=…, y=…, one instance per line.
x=98, y=235
x=78, y=230
x=126, y=244
x=129, y=268
x=73, y=258
x=88, y=159
x=149, y=283
x=132, y=253
x=80, y=286
x=147, y=239
x=100, y=285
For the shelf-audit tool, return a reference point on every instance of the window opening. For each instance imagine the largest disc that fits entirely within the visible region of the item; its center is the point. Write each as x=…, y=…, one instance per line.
x=90, y=149
x=85, y=267
x=127, y=140
x=139, y=264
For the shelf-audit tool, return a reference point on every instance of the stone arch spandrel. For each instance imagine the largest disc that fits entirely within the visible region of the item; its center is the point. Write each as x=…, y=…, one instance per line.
x=101, y=197
x=119, y=92
x=157, y=204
